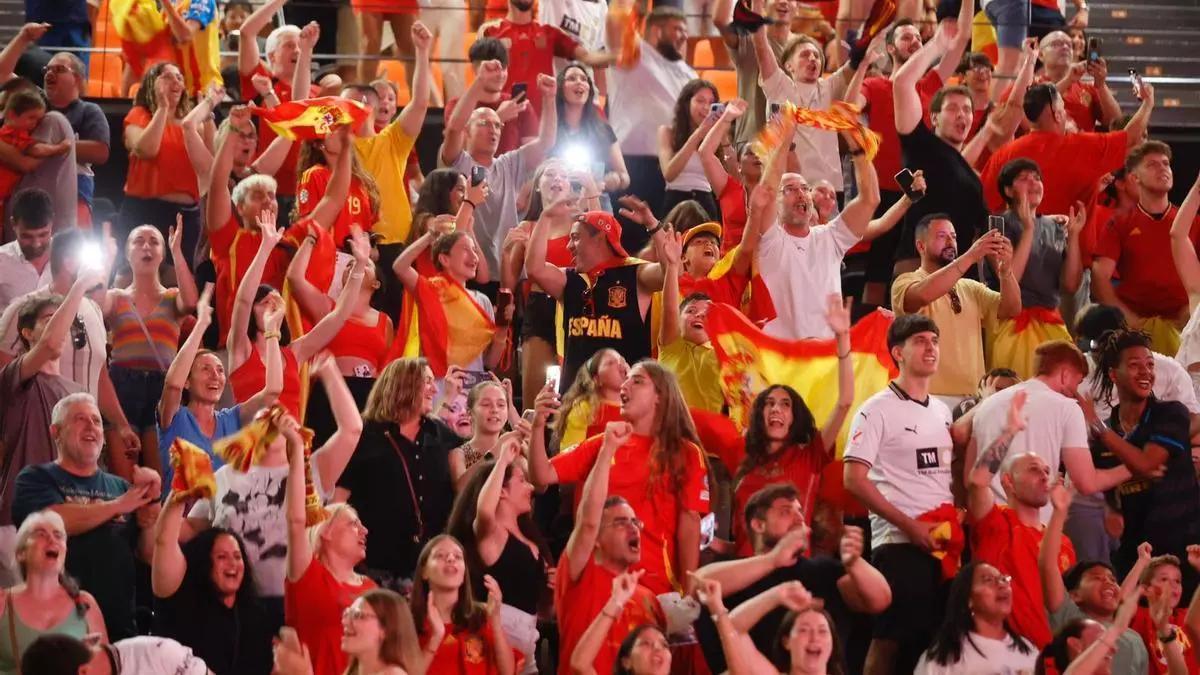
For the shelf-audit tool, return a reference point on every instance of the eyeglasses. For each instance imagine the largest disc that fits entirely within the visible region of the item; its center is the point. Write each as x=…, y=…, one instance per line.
x=992, y=580
x=79, y=336
x=355, y=615
x=58, y=69
x=626, y=523
x=955, y=301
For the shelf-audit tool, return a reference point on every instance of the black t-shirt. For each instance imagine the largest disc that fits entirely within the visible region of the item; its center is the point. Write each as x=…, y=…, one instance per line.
x=819, y=575
x=231, y=640
x=399, y=520
x=953, y=188
x=602, y=315
x=102, y=559
x=1162, y=511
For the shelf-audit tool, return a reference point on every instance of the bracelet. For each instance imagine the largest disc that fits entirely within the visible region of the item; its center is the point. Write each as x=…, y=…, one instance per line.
x=655, y=230
x=717, y=617
x=271, y=335
x=310, y=237
x=468, y=201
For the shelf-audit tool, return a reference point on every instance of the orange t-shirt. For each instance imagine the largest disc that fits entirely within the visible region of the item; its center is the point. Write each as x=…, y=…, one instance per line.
x=576, y=604
x=1145, y=627
x=656, y=504
x=799, y=466
x=168, y=172
x=313, y=605
x=357, y=210
x=1000, y=539
x=1071, y=165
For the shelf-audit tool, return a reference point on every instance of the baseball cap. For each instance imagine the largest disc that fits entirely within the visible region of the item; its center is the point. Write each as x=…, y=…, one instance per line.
x=608, y=225
x=710, y=228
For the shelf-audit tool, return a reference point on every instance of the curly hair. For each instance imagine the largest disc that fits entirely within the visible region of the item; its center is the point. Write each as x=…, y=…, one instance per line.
x=802, y=431
x=145, y=94
x=1110, y=346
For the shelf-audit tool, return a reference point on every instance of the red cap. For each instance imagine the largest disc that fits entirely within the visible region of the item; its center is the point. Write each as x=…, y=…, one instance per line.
x=607, y=224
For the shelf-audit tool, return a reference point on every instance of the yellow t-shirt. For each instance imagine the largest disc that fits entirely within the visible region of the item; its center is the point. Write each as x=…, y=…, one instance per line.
x=695, y=366
x=962, y=363
x=385, y=156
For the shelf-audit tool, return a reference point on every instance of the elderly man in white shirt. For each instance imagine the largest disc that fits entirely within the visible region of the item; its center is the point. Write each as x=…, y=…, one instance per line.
x=25, y=261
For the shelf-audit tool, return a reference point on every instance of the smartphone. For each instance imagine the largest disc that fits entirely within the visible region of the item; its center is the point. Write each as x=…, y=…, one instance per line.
x=1093, y=49
x=504, y=298
x=233, y=40
x=474, y=377
x=905, y=179
x=520, y=89
x=716, y=109
x=90, y=256
x=553, y=374
x=996, y=223
x=528, y=415
x=1136, y=81
x=478, y=174
x=576, y=187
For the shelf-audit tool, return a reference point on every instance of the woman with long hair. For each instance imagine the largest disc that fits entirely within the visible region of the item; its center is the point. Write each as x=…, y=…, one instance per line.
x=444, y=607
x=584, y=137
x=446, y=196
x=593, y=399
x=975, y=633
x=47, y=600
x=489, y=410
x=783, y=441
x=678, y=142
x=551, y=201
x=160, y=185
x=144, y=320
x=315, y=168
x=493, y=518
x=206, y=598
x=379, y=636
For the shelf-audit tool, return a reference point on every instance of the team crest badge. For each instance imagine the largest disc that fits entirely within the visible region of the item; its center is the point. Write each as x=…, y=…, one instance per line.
x=617, y=297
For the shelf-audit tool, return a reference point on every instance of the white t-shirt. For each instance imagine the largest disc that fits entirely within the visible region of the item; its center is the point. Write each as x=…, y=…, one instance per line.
x=145, y=655
x=1053, y=423
x=642, y=98
x=816, y=149
x=984, y=656
x=498, y=213
x=907, y=446
x=584, y=20
x=18, y=276
x=80, y=365
x=252, y=505
x=1171, y=383
x=801, y=272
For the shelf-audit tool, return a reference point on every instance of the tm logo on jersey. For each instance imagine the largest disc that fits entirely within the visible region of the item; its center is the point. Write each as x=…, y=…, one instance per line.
x=927, y=458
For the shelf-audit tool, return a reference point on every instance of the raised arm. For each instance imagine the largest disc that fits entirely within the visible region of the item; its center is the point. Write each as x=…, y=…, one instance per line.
x=740, y=573
x=714, y=169
x=238, y=341
x=790, y=594
x=768, y=65
x=1183, y=252
x=273, y=365
x=591, y=502
x=1054, y=591
x=940, y=282
x=28, y=36
x=299, y=552
x=904, y=81
x=890, y=218
x=1071, y=276
x=1140, y=122
x=334, y=200
x=489, y=495
x=837, y=317
x=583, y=658
x=403, y=266
x=541, y=472
x=330, y=460
x=412, y=118
x=536, y=150
x=218, y=206
x=54, y=338
x=858, y=213
x=313, y=302
x=671, y=252
x=306, y=346
x=672, y=162
x=181, y=365
x=273, y=157
x=958, y=43
x=454, y=135
x=980, y=498
x=145, y=142
x=302, y=74
x=551, y=278
x=193, y=123
x=1099, y=653
x=168, y=565
x=248, y=57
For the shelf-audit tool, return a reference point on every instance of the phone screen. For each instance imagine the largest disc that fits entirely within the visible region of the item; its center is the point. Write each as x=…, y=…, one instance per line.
x=996, y=223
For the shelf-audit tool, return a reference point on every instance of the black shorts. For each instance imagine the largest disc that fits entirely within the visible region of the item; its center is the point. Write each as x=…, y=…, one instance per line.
x=918, y=593
x=538, y=320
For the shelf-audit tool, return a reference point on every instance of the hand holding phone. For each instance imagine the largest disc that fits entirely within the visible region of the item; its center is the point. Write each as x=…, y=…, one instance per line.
x=1093, y=49
x=996, y=223
x=478, y=174
x=905, y=179
x=519, y=89
x=553, y=374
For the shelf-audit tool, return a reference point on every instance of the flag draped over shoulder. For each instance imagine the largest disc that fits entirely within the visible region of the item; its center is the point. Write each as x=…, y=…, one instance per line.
x=312, y=118
x=750, y=361
x=450, y=328
x=245, y=448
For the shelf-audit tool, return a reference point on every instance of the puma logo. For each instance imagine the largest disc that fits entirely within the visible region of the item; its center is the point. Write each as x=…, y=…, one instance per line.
x=912, y=429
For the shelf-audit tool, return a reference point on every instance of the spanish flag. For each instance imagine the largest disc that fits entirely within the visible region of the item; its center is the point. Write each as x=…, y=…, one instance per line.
x=882, y=14
x=983, y=36
x=756, y=302
x=626, y=14
x=442, y=322
x=1013, y=341
x=193, y=472
x=312, y=118
x=145, y=39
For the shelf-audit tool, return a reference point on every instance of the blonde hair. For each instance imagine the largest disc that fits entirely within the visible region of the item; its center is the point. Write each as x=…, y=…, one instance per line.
x=25, y=532
x=396, y=394
x=315, y=532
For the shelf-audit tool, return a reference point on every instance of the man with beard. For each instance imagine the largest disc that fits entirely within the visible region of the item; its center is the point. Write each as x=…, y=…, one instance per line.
x=897, y=463
x=1008, y=536
x=775, y=520
x=605, y=544
x=25, y=261
x=901, y=41
x=532, y=47
x=643, y=96
x=745, y=65
x=960, y=306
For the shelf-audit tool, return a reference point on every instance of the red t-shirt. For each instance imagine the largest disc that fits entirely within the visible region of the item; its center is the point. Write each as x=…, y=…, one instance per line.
x=1144, y=627
x=464, y=652
x=1141, y=246
x=1003, y=541
x=357, y=210
x=168, y=172
x=232, y=247
x=658, y=505
x=524, y=126
x=531, y=50
x=881, y=117
x=729, y=288
x=799, y=466
x=1081, y=102
x=21, y=140
x=1071, y=165
x=286, y=175
x=733, y=214
x=313, y=605
x=251, y=377
x=577, y=603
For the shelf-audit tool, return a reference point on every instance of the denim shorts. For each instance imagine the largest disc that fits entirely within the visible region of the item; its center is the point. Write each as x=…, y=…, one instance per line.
x=139, y=392
x=1011, y=20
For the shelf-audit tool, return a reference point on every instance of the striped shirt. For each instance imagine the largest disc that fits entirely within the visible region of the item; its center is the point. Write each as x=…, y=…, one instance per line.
x=130, y=348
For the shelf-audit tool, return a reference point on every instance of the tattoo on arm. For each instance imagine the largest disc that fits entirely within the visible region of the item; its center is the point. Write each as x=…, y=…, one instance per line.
x=994, y=456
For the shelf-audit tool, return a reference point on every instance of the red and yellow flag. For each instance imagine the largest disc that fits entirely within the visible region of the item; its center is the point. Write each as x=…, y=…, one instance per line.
x=444, y=321
x=312, y=118
x=840, y=116
x=882, y=14
x=145, y=39
x=193, y=472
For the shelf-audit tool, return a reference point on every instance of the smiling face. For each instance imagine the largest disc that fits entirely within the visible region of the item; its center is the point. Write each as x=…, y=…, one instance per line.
x=700, y=105
x=777, y=414
x=44, y=552
x=639, y=397
x=553, y=183
x=170, y=83
x=457, y=416
x=206, y=380
x=587, y=246
x=939, y=245
x=692, y=319
x=991, y=593
x=80, y=437
x=620, y=538
x=810, y=642
x=362, y=633
x=824, y=199
x=461, y=261
x=1098, y=593
x=577, y=88
x=919, y=354
x=254, y=201
x=283, y=60
x=428, y=391
x=228, y=567
x=650, y=655
x=1167, y=580
x=517, y=490
x=490, y=411
x=34, y=241
x=906, y=40
x=1027, y=185
x=144, y=248
x=1134, y=374
x=272, y=301
x=978, y=78
x=670, y=38
x=953, y=122
x=701, y=255
x=751, y=166
x=796, y=209
x=445, y=568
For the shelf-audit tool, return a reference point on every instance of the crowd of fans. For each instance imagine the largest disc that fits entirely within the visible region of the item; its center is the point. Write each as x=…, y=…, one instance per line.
x=472, y=420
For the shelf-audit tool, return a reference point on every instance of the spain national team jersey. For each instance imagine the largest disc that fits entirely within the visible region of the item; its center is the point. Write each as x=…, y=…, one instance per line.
x=200, y=59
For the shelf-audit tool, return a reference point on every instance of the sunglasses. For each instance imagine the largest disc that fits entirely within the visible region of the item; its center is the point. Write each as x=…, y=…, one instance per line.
x=955, y=301
x=79, y=337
